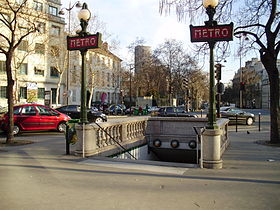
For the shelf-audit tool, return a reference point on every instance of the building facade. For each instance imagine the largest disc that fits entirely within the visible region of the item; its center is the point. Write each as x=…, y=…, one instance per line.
x=256, y=81
x=40, y=64
x=142, y=57
x=33, y=72
x=103, y=77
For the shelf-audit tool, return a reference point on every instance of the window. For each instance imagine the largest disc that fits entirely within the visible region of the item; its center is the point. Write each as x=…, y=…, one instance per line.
x=2, y=67
x=53, y=10
x=23, y=92
x=41, y=93
x=74, y=96
x=39, y=48
x=38, y=6
x=54, y=72
x=23, y=46
x=17, y=110
x=108, y=79
x=54, y=51
x=23, y=69
x=46, y=111
x=28, y=110
x=54, y=95
x=103, y=76
x=41, y=27
x=55, y=30
x=113, y=80
x=38, y=71
x=3, y=92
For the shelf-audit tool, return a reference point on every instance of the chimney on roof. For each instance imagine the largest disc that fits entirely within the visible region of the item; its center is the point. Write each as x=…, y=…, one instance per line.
x=105, y=45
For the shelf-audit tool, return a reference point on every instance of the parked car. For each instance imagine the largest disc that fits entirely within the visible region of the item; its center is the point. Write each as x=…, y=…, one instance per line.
x=242, y=116
x=130, y=110
x=74, y=111
x=29, y=117
x=171, y=111
x=117, y=109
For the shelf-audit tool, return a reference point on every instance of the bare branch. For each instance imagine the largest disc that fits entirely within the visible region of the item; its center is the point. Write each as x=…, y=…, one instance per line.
x=257, y=39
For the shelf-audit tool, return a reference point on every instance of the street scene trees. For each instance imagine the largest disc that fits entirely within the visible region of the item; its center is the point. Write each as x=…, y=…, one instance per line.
x=259, y=20
x=157, y=72
x=160, y=72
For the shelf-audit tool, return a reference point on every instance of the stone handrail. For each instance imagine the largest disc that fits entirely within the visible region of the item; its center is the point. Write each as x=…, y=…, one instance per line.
x=109, y=138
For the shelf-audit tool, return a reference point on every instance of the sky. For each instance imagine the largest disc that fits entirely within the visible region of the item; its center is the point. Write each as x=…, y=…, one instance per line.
x=128, y=19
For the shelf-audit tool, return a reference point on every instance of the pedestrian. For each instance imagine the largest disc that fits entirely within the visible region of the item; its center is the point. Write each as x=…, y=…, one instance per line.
x=140, y=110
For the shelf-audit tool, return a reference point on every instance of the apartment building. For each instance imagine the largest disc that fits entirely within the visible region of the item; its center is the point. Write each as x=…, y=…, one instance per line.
x=33, y=66
x=142, y=56
x=40, y=65
x=257, y=88
x=103, y=76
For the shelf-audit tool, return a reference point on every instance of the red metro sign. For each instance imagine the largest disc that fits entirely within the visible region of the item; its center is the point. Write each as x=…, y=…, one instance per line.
x=84, y=42
x=211, y=33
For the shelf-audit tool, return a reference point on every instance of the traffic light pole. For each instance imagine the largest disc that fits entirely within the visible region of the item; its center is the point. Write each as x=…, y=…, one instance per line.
x=218, y=100
x=218, y=76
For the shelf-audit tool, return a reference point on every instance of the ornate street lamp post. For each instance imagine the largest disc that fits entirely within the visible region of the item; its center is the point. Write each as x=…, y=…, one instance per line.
x=210, y=6
x=211, y=33
x=84, y=16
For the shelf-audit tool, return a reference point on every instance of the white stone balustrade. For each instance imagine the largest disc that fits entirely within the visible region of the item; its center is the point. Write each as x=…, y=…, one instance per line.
x=105, y=141
x=129, y=133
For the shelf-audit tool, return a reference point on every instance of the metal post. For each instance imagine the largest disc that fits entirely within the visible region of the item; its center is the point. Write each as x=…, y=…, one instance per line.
x=218, y=105
x=67, y=140
x=236, y=122
x=241, y=78
x=68, y=57
x=82, y=33
x=83, y=89
x=259, y=121
x=130, y=100
x=212, y=92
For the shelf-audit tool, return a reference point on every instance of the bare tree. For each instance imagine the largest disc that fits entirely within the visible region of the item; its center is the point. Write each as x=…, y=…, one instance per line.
x=258, y=20
x=18, y=22
x=58, y=58
x=178, y=66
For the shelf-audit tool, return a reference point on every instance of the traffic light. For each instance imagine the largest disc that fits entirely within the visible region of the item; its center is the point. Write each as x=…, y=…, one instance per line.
x=242, y=86
x=218, y=71
x=220, y=88
x=185, y=83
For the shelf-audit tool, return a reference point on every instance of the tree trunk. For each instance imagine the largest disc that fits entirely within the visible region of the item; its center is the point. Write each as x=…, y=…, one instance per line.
x=90, y=96
x=10, y=81
x=270, y=65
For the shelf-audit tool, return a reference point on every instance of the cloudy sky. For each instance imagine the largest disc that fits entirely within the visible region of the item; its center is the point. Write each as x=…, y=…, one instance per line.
x=128, y=19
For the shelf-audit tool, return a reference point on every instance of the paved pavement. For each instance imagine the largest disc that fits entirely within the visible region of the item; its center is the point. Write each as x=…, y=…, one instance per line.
x=41, y=176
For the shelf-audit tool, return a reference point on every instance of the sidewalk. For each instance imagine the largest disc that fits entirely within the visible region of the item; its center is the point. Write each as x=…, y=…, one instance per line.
x=40, y=176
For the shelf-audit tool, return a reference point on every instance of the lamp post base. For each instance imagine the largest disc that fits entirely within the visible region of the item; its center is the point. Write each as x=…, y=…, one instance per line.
x=212, y=149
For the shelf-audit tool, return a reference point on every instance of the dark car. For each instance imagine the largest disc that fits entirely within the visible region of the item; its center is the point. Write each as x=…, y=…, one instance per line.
x=119, y=109
x=30, y=117
x=171, y=111
x=74, y=112
x=242, y=116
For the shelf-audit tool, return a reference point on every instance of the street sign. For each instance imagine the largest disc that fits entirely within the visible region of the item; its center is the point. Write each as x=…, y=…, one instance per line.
x=211, y=33
x=84, y=42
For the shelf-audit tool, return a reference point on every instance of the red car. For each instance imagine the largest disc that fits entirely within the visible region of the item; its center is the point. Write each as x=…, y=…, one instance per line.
x=29, y=117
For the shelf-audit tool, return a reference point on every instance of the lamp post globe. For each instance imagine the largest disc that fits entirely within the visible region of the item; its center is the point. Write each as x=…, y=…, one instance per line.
x=211, y=3
x=84, y=14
